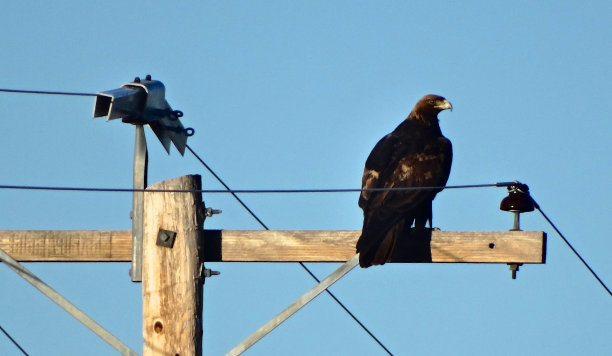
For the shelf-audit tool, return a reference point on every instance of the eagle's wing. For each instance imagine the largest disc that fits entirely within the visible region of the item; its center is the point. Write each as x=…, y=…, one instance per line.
x=399, y=163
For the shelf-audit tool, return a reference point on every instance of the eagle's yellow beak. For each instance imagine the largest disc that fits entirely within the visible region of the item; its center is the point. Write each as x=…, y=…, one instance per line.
x=443, y=105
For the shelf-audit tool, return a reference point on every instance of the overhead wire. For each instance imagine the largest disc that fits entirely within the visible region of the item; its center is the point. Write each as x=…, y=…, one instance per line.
x=537, y=206
x=247, y=191
x=45, y=92
x=273, y=191
x=208, y=168
x=13, y=341
x=301, y=263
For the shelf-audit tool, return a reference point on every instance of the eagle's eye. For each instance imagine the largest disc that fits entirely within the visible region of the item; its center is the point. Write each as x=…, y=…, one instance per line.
x=431, y=101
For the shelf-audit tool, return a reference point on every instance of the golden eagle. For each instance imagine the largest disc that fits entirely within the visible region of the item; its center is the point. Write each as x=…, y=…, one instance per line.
x=415, y=154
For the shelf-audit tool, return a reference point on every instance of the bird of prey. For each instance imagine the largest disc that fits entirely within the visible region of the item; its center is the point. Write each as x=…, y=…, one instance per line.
x=415, y=154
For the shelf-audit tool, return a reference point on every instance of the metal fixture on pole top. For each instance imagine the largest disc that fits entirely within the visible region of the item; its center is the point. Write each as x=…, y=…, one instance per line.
x=142, y=102
x=518, y=201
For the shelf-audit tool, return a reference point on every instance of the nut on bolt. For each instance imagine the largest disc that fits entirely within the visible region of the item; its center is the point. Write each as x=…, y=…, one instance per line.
x=210, y=212
x=208, y=272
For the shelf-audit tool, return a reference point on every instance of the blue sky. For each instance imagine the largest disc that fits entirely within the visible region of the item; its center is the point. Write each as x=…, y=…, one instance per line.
x=295, y=95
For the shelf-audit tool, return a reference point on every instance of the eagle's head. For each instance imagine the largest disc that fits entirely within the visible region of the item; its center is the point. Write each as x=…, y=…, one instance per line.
x=428, y=107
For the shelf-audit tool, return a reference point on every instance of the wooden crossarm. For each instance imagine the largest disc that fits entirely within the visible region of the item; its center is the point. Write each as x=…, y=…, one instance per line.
x=282, y=246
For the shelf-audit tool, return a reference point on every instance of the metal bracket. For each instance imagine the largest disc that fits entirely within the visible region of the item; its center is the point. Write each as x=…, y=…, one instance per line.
x=142, y=102
x=140, y=183
x=165, y=238
x=293, y=308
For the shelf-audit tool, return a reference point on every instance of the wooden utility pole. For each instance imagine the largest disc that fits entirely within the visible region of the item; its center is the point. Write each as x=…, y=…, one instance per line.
x=172, y=269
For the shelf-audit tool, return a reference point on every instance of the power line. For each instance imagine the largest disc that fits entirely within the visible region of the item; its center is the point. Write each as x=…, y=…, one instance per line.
x=272, y=191
x=348, y=311
x=537, y=206
x=226, y=187
x=248, y=191
x=13, y=341
x=301, y=263
x=212, y=172
x=18, y=91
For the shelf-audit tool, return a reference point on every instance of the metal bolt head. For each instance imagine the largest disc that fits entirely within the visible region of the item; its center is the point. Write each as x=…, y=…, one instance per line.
x=165, y=238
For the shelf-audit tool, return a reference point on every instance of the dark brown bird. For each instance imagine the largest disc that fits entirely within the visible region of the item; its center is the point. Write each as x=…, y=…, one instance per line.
x=415, y=154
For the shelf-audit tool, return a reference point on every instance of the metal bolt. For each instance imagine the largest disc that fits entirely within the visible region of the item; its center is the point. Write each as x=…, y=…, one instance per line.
x=148, y=77
x=208, y=272
x=210, y=212
x=518, y=201
x=514, y=267
x=137, y=80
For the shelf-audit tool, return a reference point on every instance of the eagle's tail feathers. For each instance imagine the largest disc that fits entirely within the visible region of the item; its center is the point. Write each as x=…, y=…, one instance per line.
x=377, y=241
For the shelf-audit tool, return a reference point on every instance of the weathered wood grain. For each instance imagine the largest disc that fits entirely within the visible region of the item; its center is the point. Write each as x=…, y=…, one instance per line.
x=172, y=277
x=339, y=246
x=284, y=246
x=67, y=245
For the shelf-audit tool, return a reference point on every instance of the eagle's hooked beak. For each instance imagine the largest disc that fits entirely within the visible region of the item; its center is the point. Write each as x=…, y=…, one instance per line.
x=443, y=105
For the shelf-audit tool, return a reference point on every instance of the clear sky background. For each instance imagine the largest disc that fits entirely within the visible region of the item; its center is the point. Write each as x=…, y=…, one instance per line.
x=295, y=95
